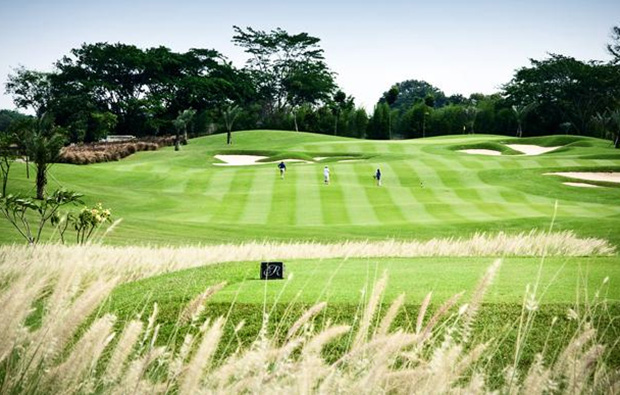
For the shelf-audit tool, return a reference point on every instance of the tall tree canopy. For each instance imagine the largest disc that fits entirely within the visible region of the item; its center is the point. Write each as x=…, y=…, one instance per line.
x=409, y=92
x=288, y=70
x=614, y=47
x=565, y=90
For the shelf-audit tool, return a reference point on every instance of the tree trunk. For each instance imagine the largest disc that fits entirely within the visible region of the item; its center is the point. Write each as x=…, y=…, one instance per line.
x=617, y=142
x=336, y=125
x=519, y=131
x=41, y=180
x=229, y=137
x=6, y=168
x=295, y=119
x=27, y=168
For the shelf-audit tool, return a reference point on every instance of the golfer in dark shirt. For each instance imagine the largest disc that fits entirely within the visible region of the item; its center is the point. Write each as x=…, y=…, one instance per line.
x=282, y=168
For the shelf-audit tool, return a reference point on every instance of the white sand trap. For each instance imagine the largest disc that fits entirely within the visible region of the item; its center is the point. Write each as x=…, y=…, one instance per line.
x=318, y=158
x=528, y=149
x=481, y=152
x=580, y=185
x=238, y=160
x=349, y=160
x=249, y=160
x=590, y=176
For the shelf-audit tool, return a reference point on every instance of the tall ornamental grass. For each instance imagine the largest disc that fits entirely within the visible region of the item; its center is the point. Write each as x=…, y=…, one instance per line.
x=55, y=340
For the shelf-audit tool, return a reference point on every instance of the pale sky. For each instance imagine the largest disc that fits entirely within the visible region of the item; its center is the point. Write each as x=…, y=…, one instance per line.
x=458, y=46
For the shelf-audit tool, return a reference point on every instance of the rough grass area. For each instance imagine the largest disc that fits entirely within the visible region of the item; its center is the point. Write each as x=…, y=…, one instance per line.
x=64, y=331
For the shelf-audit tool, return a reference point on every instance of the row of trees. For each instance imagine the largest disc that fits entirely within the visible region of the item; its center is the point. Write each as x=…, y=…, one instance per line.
x=556, y=95
x=121, y=89
x=102, y=88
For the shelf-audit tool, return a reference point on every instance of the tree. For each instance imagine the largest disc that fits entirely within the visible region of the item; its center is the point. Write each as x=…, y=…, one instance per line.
x=520, y=112
x=357, y=123
x=180, y=124
x=7, y=117
x=378, y=126
x=614, y=47
x=288, y=70
x=390, y=99
x=230, y=114
x=414, y=121
x=449, y=119
x=144, y=89
x=20, y=212
x=100, y=125
x=412, y=91
x=341, y=103
x=30, y=89
x=8, y=153
x=41, y=141
x=471, y=112
x=609, y=122
x=565, y=90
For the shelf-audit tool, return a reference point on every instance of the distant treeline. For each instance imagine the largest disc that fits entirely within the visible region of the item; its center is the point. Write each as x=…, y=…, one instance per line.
x=100, y=89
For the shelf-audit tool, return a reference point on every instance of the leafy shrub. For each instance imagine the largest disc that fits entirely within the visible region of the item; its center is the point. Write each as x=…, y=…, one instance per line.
x=84, y=154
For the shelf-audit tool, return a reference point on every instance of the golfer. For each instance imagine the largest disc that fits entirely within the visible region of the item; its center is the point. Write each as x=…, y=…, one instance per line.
x=378, y=177
x=282, y=168
x=326, y=175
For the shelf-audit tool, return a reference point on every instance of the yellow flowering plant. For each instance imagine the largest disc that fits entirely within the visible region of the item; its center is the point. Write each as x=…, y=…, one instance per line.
x=88, y=220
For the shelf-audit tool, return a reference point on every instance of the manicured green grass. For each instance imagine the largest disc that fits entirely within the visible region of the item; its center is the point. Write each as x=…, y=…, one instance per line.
x=345, y=284
x=337, y=281
x=429, y=190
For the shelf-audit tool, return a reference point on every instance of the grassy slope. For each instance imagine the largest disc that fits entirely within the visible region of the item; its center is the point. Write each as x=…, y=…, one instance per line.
x=563, y=280
x=180, y=197
x=564, y=283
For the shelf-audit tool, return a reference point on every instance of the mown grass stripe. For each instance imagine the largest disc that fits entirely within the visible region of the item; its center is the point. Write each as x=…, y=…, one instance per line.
x=284, y=201
x=470, y=163
x=219, y=183
x=396, y=147
x=435, y=205
x=359, y=209
x=258, y=204
x=231, y=207
x=308, y=205
x=399, y=184
x=175, y=185
x=491, y=195
x=386, y=210
x=508, y=162
x=569, y=163
x=198, y=181
x=332, y=201
x=451, y=182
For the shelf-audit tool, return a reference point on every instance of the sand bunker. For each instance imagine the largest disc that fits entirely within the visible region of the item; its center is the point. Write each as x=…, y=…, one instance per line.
x=590, y=176
x=349, y=160
x=580, y=185
x=248, y=160
x=531, y=149
x=238, y=160
x=318, y=158
x=481, y=152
